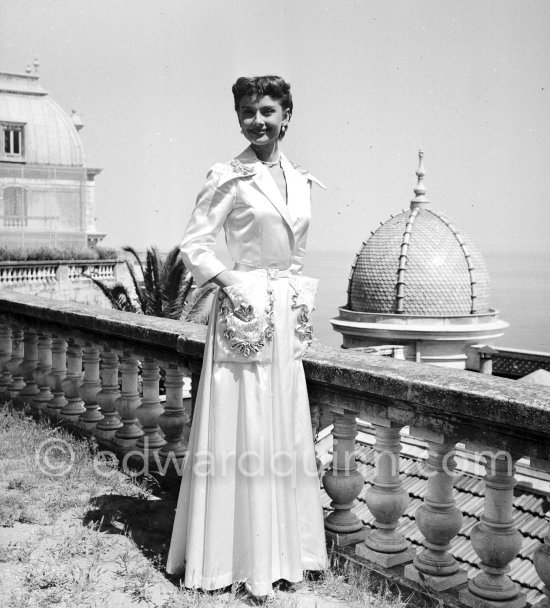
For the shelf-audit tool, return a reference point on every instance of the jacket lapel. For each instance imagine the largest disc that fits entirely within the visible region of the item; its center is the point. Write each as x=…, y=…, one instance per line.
x=297, y=189
x=266, y=184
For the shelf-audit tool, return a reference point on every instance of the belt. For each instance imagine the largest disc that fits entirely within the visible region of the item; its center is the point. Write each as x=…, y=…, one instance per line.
x=270, y=273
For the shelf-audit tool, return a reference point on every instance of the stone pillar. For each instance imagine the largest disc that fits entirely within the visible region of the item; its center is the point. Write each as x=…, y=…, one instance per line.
x=495, y=540
x=315, y=413
x=57, y=376
x=89, y=388
x=14, y=374
x=43, y=370
x=541, y=557
x=343, y=483
x=149, y=411
x=175, y=420
x=5, y=356
x=108, y=395
x=74, y=407
x=126, y=405
x=438, y=519
x=27, y=369
x=387, y=501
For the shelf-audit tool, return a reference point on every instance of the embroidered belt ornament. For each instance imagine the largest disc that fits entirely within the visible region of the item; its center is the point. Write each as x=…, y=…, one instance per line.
x=303, y=299
x=246, y=317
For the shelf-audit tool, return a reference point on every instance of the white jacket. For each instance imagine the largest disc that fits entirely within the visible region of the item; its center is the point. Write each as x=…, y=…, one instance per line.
x=260, y=229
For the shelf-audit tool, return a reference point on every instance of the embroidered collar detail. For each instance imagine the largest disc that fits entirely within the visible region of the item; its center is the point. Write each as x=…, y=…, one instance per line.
x=240, y=168
x=307, y=174
x=299, y=169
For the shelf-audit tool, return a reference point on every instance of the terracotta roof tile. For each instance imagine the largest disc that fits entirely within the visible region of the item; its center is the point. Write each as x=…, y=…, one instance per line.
x=529, y=510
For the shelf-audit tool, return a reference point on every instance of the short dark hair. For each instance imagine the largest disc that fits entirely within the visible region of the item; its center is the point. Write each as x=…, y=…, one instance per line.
x=274, y=86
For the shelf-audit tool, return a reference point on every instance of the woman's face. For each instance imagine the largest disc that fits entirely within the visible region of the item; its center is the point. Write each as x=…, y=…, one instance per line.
x=261, y=119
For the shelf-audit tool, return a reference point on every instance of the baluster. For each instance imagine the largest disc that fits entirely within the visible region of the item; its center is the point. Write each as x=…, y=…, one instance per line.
x=150, y=409
x=541, y=558
x=57, y=376
x=387, y=501
x=43, y=370
x=5, y=356
x=17, y=350
x=108, y=395
x=315, y=414
x=495, y=540
x=126, y=405
x=89, y=388
x=437, y=518
x=174, y=422
x=28, y=370
x=343, y=483
x=71, y=385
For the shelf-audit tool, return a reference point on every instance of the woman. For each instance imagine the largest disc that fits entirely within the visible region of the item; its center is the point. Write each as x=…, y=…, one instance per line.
x=249, y=508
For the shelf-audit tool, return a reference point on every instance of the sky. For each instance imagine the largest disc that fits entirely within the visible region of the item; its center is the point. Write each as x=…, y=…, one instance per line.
x=373, y=81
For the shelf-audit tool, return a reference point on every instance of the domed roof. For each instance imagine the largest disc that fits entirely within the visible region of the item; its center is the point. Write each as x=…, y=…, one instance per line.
x=419, y=263
x=50, y=137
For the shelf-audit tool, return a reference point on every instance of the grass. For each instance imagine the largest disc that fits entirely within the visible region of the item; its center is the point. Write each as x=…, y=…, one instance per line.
x=82, y=539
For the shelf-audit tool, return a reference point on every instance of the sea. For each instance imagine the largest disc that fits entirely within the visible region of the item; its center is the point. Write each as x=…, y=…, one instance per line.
x=520, y=290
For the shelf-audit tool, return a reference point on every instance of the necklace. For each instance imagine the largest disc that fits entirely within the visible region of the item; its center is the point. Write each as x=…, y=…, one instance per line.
x=272, y=163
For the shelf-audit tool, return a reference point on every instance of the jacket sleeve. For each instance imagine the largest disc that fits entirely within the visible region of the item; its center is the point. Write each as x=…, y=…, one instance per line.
x=214, y=203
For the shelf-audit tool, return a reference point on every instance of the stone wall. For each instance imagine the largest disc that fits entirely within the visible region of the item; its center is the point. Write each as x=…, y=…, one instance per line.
x=65, y=280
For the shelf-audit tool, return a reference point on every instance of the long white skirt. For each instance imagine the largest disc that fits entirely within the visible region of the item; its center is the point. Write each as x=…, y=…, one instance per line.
x=249, y=504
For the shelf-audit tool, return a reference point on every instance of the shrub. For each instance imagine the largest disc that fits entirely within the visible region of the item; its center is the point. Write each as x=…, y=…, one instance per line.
x=37, y=254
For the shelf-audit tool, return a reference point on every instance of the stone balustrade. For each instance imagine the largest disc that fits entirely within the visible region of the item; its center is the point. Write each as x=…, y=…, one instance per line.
x=40, y=272
x=64, y=360
x=506, y=362
x=65, y=279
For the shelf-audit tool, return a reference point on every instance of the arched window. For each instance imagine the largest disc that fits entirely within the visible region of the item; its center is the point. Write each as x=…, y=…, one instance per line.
x=15, y=206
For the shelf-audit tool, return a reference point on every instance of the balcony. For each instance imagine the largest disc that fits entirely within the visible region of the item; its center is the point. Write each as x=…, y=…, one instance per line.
x=64, y=360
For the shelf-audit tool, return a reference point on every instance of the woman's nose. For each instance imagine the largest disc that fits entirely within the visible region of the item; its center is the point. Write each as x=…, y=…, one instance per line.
x=258, y=118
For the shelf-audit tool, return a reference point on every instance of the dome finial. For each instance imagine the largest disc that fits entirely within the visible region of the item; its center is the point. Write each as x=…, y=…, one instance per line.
x=77, y=120
x=36, y=64
x=28, y=69
x=420, y=199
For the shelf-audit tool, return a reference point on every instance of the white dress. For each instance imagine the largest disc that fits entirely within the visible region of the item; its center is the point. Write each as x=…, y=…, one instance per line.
x=249, y=505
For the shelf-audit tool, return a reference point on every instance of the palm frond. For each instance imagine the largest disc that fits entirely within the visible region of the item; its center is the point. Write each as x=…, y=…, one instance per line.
x=123, y=300
x=117, y=295
x=169, y=265
x=175, y=283
x=137, y=287
x=131, y=250
x=198, y=304
x=151, y=283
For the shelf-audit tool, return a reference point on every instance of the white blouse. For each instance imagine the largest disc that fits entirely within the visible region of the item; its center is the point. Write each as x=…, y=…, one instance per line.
x=260, y=229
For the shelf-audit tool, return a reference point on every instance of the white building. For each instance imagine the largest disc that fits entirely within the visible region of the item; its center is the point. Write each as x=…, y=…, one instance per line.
x=419, y=282
x=46, y=191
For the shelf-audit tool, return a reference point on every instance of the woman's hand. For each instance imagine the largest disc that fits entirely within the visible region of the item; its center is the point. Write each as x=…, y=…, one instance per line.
x=225, y=278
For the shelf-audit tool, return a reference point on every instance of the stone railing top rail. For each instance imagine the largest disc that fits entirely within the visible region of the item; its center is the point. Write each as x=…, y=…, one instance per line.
x=522, y=353
x=473, y=406
x=27, y=263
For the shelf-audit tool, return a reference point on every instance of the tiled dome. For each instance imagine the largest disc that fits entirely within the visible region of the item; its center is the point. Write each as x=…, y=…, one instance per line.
x=50, y=135
x=419, y=263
